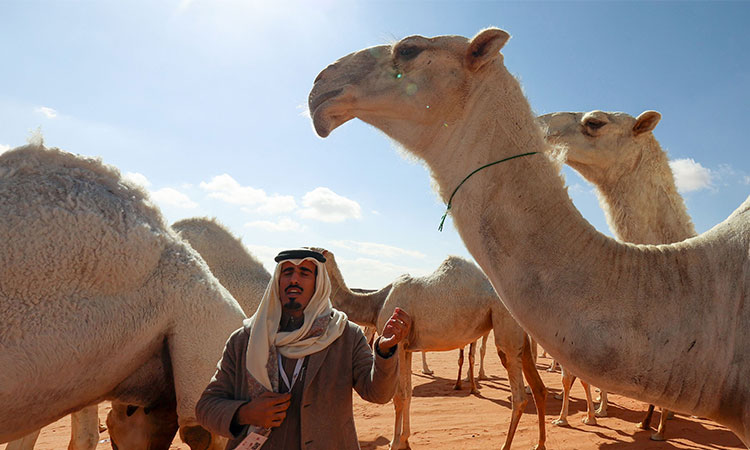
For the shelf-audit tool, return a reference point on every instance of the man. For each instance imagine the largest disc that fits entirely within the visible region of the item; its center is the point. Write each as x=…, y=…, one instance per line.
x=285, y=379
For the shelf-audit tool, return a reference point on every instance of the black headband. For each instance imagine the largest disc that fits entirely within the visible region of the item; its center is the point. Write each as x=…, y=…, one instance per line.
x=299, y=253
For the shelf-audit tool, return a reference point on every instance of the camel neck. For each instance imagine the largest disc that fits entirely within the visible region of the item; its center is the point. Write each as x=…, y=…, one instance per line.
x=642, y=204
x=362, y=309
x=545, y=260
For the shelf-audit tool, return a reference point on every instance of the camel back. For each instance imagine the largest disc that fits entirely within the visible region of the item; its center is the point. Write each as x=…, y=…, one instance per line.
x=69, y=225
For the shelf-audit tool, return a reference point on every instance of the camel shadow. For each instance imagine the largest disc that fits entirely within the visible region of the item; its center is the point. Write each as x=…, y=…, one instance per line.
x=372, y=445
x=678, y=429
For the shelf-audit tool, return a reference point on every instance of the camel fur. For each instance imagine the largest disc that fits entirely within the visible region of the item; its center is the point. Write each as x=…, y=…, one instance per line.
x=658, y=323
x=620, y=155
x=241, y=273
x=100, y=299
x=458, y=298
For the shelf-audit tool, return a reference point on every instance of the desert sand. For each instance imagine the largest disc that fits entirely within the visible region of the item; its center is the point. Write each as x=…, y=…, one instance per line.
x=443, y=418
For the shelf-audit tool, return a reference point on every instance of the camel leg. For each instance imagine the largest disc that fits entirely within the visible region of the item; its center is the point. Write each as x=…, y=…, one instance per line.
x=425, y=370
x=538, y=390
x=472, y=381
x=646, y=422
x=84, y=428
x=552, y=366
x=25, y=443
x=518, y=396
x=400, y=402
x=590, y=418
x=659, y=435
x=457, y=386
x=567, y=383
x=482, y=352
x=602, y=410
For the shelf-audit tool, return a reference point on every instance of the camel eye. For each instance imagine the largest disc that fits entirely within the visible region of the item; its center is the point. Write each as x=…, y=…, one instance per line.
x=408, y=51
x=594, y=124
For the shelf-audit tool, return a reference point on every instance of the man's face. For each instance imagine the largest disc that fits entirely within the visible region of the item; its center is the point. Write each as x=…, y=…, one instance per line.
x=296, y=286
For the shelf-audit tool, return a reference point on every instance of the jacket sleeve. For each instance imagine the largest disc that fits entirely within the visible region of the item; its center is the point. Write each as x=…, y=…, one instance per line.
x=217, y=405
x=375, y=377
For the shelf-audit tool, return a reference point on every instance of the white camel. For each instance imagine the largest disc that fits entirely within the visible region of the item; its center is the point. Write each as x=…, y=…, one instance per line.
x=660, y=324
x=239, y=272
x=450, y=308
x=619, y=154
x=100, y=300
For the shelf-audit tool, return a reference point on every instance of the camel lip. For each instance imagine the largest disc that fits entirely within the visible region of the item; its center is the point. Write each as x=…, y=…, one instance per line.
x=316, y=101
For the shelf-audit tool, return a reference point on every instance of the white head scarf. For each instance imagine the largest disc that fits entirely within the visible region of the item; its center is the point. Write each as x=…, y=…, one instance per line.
x=310, y=338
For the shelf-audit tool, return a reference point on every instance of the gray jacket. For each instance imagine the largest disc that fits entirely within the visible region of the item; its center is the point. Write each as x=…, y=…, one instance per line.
x=327, y=421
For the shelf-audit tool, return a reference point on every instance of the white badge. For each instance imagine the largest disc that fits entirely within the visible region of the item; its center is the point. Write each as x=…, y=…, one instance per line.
x=253, y=441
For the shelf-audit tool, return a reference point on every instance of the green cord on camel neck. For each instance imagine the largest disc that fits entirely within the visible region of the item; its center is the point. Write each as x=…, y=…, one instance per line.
x=442, y=221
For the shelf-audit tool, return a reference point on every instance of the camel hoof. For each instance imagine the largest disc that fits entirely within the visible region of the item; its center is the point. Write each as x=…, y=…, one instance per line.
x=643, y=426
x=102, y=428
x=558, y=396
x=482, y=376
x=657, y=437
x=589, y=420
x=560, y=423
x=428, y=372
x=475, y=391
x=457, y=387
x=539, y=447
x=600, y=413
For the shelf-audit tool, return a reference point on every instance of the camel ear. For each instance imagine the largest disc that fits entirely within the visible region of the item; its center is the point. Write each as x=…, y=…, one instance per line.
x=646, y=122
x=485, y=47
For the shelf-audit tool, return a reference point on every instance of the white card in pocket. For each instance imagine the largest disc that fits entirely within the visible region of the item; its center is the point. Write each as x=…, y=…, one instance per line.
x=253, y=441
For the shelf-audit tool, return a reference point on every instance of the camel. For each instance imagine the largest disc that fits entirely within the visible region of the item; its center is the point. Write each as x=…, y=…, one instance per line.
x=619, y=154
x=456, y=297
x=658, y=323
x=239, y=272
x=100, y=300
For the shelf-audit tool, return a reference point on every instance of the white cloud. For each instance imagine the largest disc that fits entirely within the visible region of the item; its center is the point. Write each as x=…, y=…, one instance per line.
x=48, y=112
x=227, y=189
x=746, y=179
x=4, y=148
x=326, y=206
x=284, y=224
x=379, y=250
x=690, y=175
x=173, y=197
x=137, y=178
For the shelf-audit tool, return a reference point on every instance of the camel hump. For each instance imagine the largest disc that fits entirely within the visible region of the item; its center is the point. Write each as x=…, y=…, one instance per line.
x=72, y=225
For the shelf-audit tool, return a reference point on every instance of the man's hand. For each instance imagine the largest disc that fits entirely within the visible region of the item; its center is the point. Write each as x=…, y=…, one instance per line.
x=395, y=330
x=266, y=411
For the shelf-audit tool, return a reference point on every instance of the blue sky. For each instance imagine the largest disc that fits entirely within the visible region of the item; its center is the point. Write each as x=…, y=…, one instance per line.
x=205, y=103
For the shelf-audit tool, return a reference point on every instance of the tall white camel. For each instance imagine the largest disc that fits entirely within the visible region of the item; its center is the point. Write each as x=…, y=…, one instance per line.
x=100, y=300
x=450, y=308
x=661, y=324
x=619, y=154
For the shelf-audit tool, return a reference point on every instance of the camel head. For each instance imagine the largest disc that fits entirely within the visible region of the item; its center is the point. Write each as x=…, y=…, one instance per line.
x=411, y=90
x=599, y=142
x=135, y=427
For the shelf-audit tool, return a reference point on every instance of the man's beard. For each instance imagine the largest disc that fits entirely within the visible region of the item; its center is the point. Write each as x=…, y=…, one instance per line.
x=294, y=305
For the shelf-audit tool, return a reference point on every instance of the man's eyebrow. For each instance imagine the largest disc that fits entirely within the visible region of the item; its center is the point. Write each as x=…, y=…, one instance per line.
x=305, y=269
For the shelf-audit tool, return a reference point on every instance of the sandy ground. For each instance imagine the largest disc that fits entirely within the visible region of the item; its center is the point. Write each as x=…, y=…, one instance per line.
x=443, y=418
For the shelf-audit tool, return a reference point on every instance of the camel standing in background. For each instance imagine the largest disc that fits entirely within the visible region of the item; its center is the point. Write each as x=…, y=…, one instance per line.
x=619, y=154
x=450, y=308
x=242, y=274
x=656, y=323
